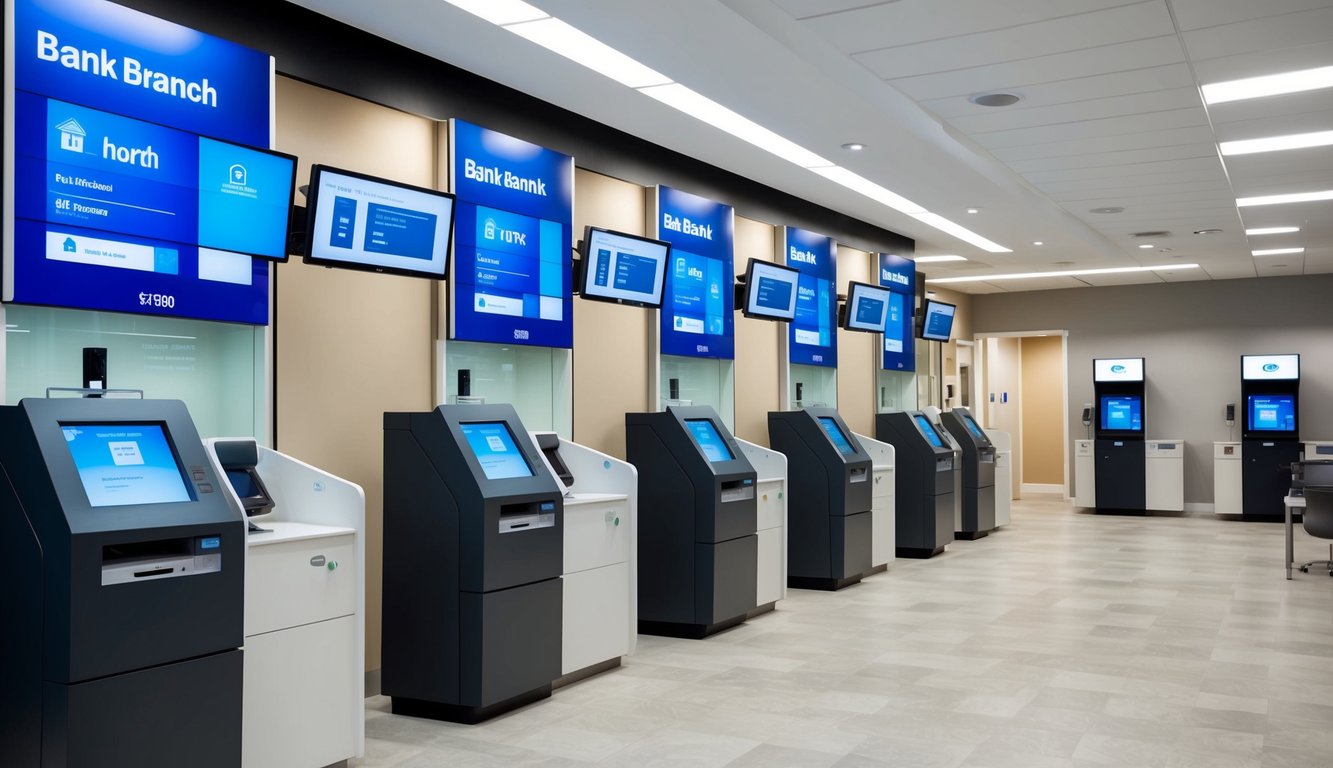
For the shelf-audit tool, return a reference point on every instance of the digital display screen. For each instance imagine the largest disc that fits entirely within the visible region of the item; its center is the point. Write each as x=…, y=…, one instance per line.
x=705, y=434
x=366, y=223
x=770, y=291
x=973, y=427
x=623, y=268
x=123, y=464
x=1122, y=413
x=243, y=483
x=870, y=309
x=939, y=321
x=698, y=318
x=928, y=430
x=835, y=434
x=497, y=453
x=510, y=266
x=1272, y=413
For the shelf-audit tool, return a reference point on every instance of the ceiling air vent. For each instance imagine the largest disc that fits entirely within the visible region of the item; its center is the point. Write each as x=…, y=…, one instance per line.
x=1151, y=235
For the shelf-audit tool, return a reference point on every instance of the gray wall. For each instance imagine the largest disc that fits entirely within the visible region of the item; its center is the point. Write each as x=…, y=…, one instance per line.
x=1192, y=336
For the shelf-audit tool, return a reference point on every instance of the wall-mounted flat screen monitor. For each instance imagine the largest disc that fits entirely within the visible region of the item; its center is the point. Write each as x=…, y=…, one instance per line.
x=709, y=440
x=1256, y=367
x=356, y=221
x=623, y=268
x=770, y=291
x=938, y=322
x=928, y=430
x=867, y=307
x=493, y=445
x=1121, y=413
x=1271, y=413
x=123, y=464
x=836, y=435
x=973, y=427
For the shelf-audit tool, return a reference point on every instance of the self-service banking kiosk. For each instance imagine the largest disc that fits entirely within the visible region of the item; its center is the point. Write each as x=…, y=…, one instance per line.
x=123, y=569
x=925, y=482
x=473, y=527
x=1119, y=461
x=1270, y=389
x=698, y=546
x=978, y=456
x=828, y=512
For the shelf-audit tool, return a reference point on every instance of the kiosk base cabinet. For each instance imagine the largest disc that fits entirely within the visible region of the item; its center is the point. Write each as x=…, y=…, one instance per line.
x=1227, y=478
x=1266, y=477
x=1121, y=481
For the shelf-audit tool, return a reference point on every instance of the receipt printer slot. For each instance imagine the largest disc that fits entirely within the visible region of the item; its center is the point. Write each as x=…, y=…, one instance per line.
x=526, y=517
x=737, y=490
x=160, y=559
x=858, y=475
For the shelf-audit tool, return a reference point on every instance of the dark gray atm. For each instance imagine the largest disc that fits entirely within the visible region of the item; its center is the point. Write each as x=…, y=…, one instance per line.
x=122, y=578
x=924, y=474
x=978, y=474
x=473, y=551
x=698, y=549
x=828, y=506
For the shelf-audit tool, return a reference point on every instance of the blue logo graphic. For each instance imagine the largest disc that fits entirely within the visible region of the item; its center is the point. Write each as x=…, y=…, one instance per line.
x=898, y=274
x=1117, y=369
x=1270, y=367
x=697, y=317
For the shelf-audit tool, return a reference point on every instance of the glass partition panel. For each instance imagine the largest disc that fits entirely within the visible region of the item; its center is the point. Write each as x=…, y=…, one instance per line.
x=813, y=385
x=535, y=380
x=700, y=381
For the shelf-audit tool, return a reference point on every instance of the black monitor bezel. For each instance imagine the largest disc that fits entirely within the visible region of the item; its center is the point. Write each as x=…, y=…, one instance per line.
x=1102, y=430
x=584, y=271
x=190, y=489
x=853, y=290
x=925, y=313
x=1250, y=432
x=750, y=286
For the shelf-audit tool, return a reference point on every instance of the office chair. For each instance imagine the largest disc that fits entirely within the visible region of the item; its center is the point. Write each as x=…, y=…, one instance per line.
x=1317, y=520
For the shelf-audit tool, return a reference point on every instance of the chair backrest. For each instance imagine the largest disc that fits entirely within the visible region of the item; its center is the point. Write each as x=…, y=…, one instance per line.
x=1318, y=515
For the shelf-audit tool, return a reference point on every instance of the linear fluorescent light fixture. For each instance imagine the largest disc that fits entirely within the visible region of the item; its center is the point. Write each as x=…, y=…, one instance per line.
x=1268, y=85
x=1062, y=273
x=1295, y=197
x=867, y=188
x=936, y=259
x=1271, y=231
x=1276, y=143
x=1276, y=251
x=962, y=233
x=501, y=12
x=582, y=48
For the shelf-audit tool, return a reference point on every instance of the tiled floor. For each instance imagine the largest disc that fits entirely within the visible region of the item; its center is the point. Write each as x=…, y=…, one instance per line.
x=1066, y=639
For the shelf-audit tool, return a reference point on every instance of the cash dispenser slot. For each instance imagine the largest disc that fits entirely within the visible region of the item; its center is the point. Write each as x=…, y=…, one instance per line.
x=943, y=463
x=986, y=455
x=737, y=490
x=160, y=559
x=859, y=475
x=527, y=516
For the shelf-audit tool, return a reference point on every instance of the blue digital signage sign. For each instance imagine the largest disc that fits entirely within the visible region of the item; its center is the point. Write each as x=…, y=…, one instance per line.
x=812, y=337
x=122, y=201
x=698, y=305
x=513, y=238
x=898, y=274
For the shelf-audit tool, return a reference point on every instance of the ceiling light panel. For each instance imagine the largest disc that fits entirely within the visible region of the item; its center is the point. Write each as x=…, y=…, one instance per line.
x=1271, y=231
x=1294, y=197
x=936, y=259
x=501, y=12
x=962, y=233
x=1062, y=273
x=863, y=186
x=582, y=48
x=1276, y=251
x=1276, y=143
x=1268, y=85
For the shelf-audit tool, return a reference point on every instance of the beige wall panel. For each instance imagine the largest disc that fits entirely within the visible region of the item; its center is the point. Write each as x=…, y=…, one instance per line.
x=610, y=341
x=758, y=354
x=351, y=345
x=858, y=352
x=1043, y=410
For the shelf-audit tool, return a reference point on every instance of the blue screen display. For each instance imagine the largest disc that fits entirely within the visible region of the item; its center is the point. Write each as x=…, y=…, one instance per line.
x=1122, y=413
x=705, y=434
x=365, y=222
x=771, y=292
x=624, y=268
x=835, y=434
x=939, y=321
x=928, y=430
x=493, y=445
x=811, y=337
x=1272, y=413
x=697, y=312
x=898, y=275
x=973, y=428
x=121, y=464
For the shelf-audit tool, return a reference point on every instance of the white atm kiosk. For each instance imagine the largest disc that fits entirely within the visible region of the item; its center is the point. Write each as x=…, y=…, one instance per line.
x=304, y=607
x=770, y=468
x=883, y=525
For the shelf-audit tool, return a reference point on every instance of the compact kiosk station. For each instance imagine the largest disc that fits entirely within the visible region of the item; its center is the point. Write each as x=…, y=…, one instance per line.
x=933, y=414
x=883, y=495
x=601, y=514
x=1270, y=442
x=473, y=546
x=304, y=607
x=829, y=514
x=924, y=471
x=1004, y=479
x=978, y=474
x=697, y=517
x=1118, y=451
x=124, y=573
x=770, y=494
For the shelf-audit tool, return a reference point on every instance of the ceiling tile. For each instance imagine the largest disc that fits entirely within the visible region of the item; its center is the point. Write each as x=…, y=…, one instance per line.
x=1020, y=116
x=1264, y=34
x=1196, y=14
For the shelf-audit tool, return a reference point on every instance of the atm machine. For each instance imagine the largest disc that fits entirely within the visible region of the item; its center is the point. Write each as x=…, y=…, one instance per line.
x=1270, y=441
x=933, y=414
x=828, y=512
x=698, y=545
x=978, y=473
x=124, y=574
x=1119, y=460
x=473, y=547
x=925, y=482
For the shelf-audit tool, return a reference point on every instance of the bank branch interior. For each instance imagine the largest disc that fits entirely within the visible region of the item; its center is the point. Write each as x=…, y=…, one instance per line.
x=453, y=382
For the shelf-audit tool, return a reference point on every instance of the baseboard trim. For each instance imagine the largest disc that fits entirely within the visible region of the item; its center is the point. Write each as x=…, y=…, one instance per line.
x=1043, y=488
x=1193, y=507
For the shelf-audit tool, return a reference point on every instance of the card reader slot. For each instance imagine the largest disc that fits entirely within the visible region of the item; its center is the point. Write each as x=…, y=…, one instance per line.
x=160, y=549
x=526, y=516
x=736, y=490
x=153, y=572
x=858, y=475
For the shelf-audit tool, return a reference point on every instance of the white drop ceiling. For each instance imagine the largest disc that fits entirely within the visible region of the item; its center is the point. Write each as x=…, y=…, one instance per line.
x=1110, y=114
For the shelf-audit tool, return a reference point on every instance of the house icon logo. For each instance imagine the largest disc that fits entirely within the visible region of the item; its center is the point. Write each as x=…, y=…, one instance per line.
x=237, y=175
x=69, y=245
x=489, y=229
x=71, y=135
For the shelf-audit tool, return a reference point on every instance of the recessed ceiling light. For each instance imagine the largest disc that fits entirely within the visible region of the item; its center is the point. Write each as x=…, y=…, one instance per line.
x=1037, y=242
x=1268, y=85
x=974, y=210
x=1276, y=251
x=1164, y=250
x=1276, y=143
x=853, y=146
x=1107, y=209
x=1145, y=246
x=1271, y=231
x=1062, y=273
x=995, y=99
x=1295, y=197
x=938, y=259
x=1211, y=231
